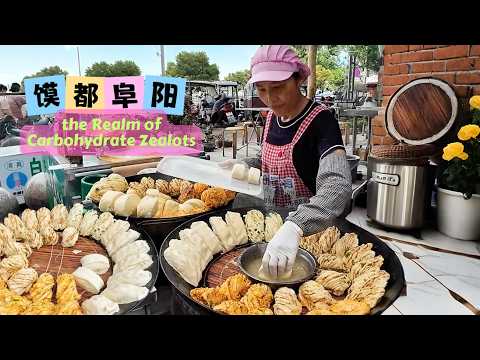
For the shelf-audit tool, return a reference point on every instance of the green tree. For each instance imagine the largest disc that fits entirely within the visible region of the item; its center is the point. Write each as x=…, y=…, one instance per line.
x=119, y=68
x=46, y=71
x=330, y=79
x=367, y=56
x=241, y=77
x=193, y=66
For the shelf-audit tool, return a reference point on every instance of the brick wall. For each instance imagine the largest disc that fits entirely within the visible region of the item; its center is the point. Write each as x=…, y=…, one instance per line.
x=459, y=65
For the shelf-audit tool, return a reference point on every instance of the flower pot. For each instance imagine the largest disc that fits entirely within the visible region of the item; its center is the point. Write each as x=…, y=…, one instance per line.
x=458, y=217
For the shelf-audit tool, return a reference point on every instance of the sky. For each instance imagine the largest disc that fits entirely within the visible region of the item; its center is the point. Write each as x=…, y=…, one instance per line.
x=19, y=60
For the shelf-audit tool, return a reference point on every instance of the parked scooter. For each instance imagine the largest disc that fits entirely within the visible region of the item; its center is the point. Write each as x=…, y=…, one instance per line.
x=223, y=112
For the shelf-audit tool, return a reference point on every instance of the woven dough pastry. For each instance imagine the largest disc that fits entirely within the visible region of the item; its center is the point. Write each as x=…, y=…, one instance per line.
x=49, y=236
x=311, y=293
x=372, y=290
x=198, y=189
x=174, y=187
x=373, y=264
x=41, y=291
x=33, y=238
x=257, y=297
x=333, y=281
x=230, y=195
x=88, y=223
x=16, y=226
x=59, y=217
x=162, y=186
x=286, y=302
x=101, y=225
x=214, y=197
x=40, y=308
x=231, y=307
x=320, y=243
x=137, y=188
x=255, y=224
x=66, y=289
x=5, y=234
x=75, y=216
x=13, y=247
x=29, y=218
x=330, y=262
x=44, y=216
x=69, y=237
x=264, y=311
x=22, y=280
x=148, y=182
x=185, y=186
x=11, y=303
x=347, y=242
x=68, y=308
x=10, y=265
x=350, y=307
x=358, y=254
x=273, y=222
x=184, y=196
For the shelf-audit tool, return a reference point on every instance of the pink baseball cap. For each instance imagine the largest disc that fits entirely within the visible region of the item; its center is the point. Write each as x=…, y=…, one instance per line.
x=276, y=63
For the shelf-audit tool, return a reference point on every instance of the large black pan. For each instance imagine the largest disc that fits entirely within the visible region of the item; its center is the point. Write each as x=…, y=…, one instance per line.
x=391, y=262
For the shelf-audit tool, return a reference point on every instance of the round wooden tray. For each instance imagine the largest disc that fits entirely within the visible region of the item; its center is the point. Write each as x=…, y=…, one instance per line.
x=55, y=259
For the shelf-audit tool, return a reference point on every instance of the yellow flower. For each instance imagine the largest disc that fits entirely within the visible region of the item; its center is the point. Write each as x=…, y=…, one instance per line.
x=453, y=150
x=468, y=132
x=463, y=156
x=475, y=102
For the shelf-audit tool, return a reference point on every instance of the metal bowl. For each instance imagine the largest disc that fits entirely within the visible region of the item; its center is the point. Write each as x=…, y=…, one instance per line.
x=257, y=250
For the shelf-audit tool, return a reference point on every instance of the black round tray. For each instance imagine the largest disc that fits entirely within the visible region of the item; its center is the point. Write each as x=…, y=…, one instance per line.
x=154, y=269
x=391, y=263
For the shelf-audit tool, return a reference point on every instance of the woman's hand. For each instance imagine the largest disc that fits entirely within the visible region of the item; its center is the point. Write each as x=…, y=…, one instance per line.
x=281, y=251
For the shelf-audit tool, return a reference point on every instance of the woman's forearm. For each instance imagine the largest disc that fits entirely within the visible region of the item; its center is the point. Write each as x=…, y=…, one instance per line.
x=334, y=190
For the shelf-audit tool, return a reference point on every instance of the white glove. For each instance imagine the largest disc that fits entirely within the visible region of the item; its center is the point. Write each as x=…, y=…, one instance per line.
x=228, y=164
x=281, y=251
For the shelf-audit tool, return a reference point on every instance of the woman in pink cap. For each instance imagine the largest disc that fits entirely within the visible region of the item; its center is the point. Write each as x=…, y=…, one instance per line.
x=303, y=159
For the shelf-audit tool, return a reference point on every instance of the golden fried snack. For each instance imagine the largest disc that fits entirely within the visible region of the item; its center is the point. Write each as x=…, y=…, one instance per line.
x=350, y=307
x=48, y=234
x=11, y=303
x=59, y=217
x=333, y=281
x=174, y=187
x=346, y=243
x=358, y=254
x=232, y=307
x=41, y=290
x=234, y=287
x=148, y=182
x=198, y=189
x=66, y=289
x=137, y=188
x=68, y=308
x=184, y=196
x=321, y=311
x=113, y=182
x=265, y=311
x=373, y=289
x=5, y=235
x=186, y=186
x=3, y=284
x=40, y=308
x=311, y=293
x=330, y=262
x=162, y=186
x=320, y=243
x=257, y=297
x=286, y=302
x=214, y=197
x=208, y=296
x=230, y=195
x=22, y=280
x=362, y=267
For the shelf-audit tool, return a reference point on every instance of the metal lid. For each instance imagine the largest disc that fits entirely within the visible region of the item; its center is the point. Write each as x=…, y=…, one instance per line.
x=422, y=111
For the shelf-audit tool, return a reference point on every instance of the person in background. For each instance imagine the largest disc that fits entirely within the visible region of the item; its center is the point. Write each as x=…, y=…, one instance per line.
x=303, y=159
